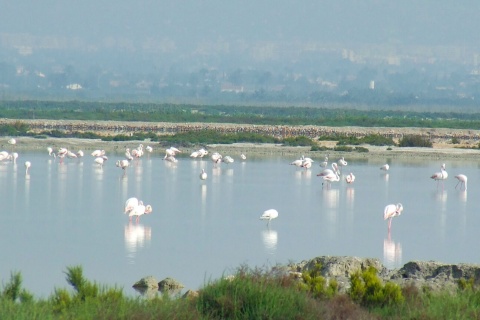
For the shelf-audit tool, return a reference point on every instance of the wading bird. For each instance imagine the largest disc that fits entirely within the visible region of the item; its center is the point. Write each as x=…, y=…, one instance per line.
x=391, y=211
x=462, y=180
x=268, y=215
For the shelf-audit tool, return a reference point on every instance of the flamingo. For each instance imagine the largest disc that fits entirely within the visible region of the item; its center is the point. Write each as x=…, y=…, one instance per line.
x=140, y=210
x=462, y=180
x=269, y=215
x=194, y=154
x=391, y=211
x=350, y=178
x=324, y=164
x=216, y=157
x=342, y=162
x=203, y=175
x=122, y=164
x=307, y=164
x=329, y=171
x=50, y=151
x=130, y=204
x=149, y=149
x=100, y=160
x=12, y=141
x=243, y=157
x=3, y=155
x=170, y=159
x=442, y=175
x=80, y=153
x=202, y=152
x=28, y=164
x=330, y=177
x=98, y=153
x=228, y=159
x=13, y=156
x=128, y=155
x=385, y=167
x=298, y=162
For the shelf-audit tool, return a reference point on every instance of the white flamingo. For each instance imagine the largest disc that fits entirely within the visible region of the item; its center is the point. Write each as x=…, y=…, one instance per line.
x=385, y=167
x=462, y=180
x=342, y=162
x=269, y=215
x=440, y=176
x=329, y=177
x=12, y=141
x=122, y=164
x=203, y=175
x=391, y=211
x=28, y=164
x=135, y=207
x=98, y=153
x=243, y=157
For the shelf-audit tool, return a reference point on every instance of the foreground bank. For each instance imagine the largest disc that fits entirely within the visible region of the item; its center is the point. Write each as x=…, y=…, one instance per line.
x=272, y=294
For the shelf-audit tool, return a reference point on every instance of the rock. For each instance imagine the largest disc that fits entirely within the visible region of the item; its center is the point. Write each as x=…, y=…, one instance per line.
x=169, y=284
x=146, y=282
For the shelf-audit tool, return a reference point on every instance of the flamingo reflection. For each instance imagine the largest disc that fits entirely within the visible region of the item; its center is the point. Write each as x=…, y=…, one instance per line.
x=270, y=240
x=392, y=252
x=136, y=237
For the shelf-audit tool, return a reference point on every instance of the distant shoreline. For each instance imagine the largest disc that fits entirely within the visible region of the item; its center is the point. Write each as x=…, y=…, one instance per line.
x=441, y=138
x=88, y=145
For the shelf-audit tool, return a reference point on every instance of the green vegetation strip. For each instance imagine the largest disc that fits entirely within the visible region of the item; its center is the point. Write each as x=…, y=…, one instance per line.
x=248, y=294
x=334, y=116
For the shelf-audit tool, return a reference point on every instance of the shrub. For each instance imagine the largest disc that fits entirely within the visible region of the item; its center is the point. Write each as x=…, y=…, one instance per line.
x=415, y=141
x=315, y=283
x=367, y=290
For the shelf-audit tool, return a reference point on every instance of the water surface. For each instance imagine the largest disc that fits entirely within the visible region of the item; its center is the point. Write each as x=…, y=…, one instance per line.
x=61, y=215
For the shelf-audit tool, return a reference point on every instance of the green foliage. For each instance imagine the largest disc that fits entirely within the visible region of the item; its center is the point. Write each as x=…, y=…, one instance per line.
x=464, y=284
x=315, y=283
x=254, y=294
x=298, y=141
x=13, y=291
x=455, y=140
x=18, y=128
x=414, y=141
x=368, y=290
x=371, y=139
x=84, y=291
x=339, y=114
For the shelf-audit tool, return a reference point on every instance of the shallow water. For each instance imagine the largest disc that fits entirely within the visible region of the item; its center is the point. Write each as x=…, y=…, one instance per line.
x=61, y=215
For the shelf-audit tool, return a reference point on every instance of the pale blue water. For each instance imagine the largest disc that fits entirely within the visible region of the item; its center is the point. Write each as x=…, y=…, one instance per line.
x=72, y=214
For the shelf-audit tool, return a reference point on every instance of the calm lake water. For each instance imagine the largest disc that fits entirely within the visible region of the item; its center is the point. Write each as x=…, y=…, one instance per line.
x=70, y=214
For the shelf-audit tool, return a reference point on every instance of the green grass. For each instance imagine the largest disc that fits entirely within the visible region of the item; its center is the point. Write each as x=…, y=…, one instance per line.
x=250, y=294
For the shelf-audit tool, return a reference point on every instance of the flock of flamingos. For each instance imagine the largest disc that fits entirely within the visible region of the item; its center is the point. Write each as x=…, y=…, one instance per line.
x=391, y=210
x=135, y=207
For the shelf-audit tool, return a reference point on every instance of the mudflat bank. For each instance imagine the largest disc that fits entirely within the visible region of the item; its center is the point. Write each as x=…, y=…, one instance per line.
x=441, y=138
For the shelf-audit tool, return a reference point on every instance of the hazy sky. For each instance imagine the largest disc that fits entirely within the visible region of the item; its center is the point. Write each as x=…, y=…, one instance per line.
x=186, y=22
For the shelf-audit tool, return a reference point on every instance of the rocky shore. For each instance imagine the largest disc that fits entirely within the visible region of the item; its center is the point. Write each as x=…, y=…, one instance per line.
x=422, y=274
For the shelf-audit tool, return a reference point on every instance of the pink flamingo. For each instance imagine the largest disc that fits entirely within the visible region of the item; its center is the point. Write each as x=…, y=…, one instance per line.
x=350, y=178
x=440, y=176
x=391, y=211
x=462, y=180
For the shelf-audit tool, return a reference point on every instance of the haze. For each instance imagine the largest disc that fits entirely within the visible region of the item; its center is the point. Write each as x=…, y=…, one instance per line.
x=177, y=37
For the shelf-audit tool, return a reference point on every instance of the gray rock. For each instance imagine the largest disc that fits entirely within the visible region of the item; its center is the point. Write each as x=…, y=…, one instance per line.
x=168, y=284
x=147, y=282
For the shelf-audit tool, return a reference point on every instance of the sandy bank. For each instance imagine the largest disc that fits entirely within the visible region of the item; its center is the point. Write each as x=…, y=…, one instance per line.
x=439, y=151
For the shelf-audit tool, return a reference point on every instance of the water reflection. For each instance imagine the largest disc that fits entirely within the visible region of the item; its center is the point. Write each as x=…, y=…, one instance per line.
x=270, y=240
x=303, y=174
x=462, y=196
x=136, y=237
x=331, y=198
x=386, y=176
x=392, y=252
